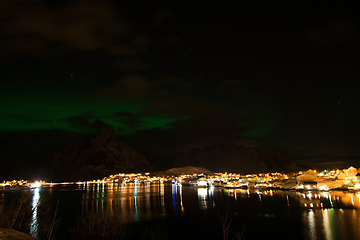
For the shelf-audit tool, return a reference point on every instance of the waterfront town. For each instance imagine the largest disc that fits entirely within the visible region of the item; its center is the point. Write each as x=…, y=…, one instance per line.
x=347, y=179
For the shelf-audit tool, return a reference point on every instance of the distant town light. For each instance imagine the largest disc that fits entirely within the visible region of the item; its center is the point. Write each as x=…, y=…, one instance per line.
x=36, y=184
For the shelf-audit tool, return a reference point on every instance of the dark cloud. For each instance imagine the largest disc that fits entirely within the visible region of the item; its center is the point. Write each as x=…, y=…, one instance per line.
x=33, y=28
x=131, y=64
x=85, y=121
x=195, y=132
x=130, y=87
x=339, y=31
x=137, y=86
x=182, y=106
x=232, y=85
x=129, y=119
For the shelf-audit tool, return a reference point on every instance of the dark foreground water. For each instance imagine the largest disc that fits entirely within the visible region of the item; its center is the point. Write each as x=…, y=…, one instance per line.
x=185, y=212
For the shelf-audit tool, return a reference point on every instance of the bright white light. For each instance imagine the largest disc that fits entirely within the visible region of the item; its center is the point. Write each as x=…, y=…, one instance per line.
x=35, y=202
x=36, y=184
x=202, y=183
x=323, y=188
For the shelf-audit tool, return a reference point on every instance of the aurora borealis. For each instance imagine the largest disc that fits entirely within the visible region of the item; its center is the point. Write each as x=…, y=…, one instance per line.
x=173, y=78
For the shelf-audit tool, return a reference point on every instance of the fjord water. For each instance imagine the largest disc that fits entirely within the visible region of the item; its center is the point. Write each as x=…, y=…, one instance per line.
x=186, y=212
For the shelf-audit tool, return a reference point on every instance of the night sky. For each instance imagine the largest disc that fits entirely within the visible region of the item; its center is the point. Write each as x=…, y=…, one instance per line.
x=172, y=78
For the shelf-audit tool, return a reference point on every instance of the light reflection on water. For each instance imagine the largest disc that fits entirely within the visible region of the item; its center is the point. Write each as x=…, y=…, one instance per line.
x=133, y=201
x=309, y=220
x=328, y=216
x=327, y=223
x=34, y=205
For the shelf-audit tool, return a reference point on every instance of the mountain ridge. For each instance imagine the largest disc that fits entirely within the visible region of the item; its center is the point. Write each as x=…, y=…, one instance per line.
x=96, y=157
x=230, y=157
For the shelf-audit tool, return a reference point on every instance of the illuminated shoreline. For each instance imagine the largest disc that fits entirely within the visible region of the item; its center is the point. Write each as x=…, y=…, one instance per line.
x=345, y=180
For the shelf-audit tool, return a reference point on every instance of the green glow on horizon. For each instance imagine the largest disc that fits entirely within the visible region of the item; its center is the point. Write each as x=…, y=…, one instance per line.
x=261, y=128
x=23, y=112
x=153, y=122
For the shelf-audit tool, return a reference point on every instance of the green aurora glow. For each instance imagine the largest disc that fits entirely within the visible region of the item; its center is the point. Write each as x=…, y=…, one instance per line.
x=32, y=112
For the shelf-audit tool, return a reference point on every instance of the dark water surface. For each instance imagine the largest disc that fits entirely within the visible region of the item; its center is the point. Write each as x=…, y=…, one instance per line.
x=185, y=212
